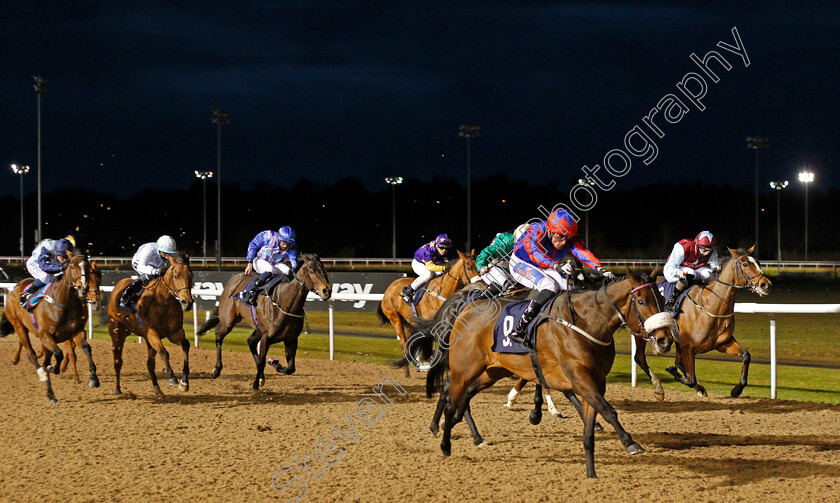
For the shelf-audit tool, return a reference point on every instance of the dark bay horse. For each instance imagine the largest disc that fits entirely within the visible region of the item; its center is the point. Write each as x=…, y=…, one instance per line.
x=707, y=322
x=570, y=357
x=59, y=317
x=160, y=315
x=393, y=308
x=274, y=319
x=94, y=298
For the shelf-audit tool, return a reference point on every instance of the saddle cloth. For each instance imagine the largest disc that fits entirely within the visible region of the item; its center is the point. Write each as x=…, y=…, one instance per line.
x=36, y=297
x=508, y=318
x=266, y=289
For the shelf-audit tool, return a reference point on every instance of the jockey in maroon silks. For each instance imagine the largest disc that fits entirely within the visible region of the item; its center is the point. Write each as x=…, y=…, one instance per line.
x=536, y=262
x=690, y=263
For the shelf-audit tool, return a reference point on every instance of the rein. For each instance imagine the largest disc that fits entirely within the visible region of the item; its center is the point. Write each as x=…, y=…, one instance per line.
x=748, y=284
x=293, y=315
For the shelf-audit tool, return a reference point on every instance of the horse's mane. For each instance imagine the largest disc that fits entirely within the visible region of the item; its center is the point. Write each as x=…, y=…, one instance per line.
x=738, y=251
x=307, y=257
x=180, y=257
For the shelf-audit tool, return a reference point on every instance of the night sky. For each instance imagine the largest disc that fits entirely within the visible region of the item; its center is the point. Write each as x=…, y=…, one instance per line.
x=331, y=89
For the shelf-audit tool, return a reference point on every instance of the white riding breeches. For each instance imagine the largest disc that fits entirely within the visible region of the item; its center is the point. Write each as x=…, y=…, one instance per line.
x=532, y=276
x=424, y=275
x=496, y=274
x=261, y=266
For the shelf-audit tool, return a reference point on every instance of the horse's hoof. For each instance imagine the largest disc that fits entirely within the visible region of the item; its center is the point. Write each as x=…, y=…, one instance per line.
x=446, y=453
x=659, y=396
x=435, y=431
x=183, y=386
x=53, y=400
x=262, y=381
x=483, y=443
x=77, y=382
x=53, y=368
x=117, y=392
x=701, y=392
x=736, y=391
x=93, y=382
x=534, y=418
x=508, y=405
x=598, y=427
x=172, y=381
x=634, y=449
x=215, y=373
x=255, y=386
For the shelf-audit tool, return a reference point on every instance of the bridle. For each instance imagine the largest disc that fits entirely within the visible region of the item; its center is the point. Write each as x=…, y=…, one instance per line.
x=749, y=282
x=466, y=280
x=171, y=289
x=634, y=303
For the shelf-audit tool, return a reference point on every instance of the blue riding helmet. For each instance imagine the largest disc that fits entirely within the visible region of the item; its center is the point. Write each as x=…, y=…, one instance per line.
x=287, y=234
x=443, y=241
x=61, y=247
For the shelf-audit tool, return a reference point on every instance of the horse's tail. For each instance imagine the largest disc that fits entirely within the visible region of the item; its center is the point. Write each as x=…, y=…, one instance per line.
x=381, y=314
x=210, y=323
x=5, y=326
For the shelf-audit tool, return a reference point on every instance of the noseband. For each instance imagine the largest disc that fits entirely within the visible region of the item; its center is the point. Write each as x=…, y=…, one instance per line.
x=749, y=282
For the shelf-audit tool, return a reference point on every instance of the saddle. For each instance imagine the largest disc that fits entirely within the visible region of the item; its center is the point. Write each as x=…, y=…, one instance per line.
x=508, y=317
x=265, y=289
x=36, y=297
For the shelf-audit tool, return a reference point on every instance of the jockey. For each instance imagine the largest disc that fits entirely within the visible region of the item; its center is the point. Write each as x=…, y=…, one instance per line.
x=48, y=260
x=492, y=262
x=266, y=253
x=430, y=260
x=690, y=263
x=149, y=262
x=536, y=262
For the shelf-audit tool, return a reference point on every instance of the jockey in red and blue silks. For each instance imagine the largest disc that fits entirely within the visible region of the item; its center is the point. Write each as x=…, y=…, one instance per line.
x=430, y=260
x=266, y=253
x=536, y=262
x=690, y=263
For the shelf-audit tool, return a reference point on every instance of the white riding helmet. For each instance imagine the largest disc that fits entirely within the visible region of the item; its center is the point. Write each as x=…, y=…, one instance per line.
x=520, y=231
x=166, y=244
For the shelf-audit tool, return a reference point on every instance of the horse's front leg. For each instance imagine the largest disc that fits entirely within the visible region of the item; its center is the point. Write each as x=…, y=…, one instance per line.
x=184, y=383
x=291, y=351
x=71, y=358
x=535, y=416
x=153, y=346
x=442, y=400
x=93, y=381
x=735, y=349
x=641, y=360
x=48, y=346
x=258, y=344
x=588, y=415
x=514, y=392
x=685, y=362
x=49, y=343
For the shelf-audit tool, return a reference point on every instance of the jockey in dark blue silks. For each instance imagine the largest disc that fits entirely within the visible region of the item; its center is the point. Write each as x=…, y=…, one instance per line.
x=48, y=260
x=536, y=262
x=266, y=253
x=430, y=260
x=148, y=262
x=690, y=263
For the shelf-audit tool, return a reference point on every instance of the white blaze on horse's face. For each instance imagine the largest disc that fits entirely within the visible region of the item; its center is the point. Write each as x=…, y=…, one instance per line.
x=84, y=283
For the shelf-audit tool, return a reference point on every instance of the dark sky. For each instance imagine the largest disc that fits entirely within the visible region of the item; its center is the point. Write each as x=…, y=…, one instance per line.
x=328, y=89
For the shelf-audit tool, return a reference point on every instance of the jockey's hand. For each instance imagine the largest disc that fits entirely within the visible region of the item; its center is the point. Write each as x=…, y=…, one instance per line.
x=564, y=268
x=606, y=273
x=682, y=274
x=249, y=268
x=65, y=265
x=716, y=269
x=484, y=270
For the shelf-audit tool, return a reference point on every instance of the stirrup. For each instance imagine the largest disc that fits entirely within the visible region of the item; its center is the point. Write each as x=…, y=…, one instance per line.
x=407, y=294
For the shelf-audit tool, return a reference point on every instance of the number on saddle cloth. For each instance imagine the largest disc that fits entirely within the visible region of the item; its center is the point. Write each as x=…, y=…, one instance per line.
x=507, y=320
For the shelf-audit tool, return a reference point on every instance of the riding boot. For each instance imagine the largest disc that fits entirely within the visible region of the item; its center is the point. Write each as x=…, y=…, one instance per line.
x=671, y=304
x=492, y=291
x=129, y=295
x=408, y=294
x=26, y=293
x=520, y=331
x=251, y=296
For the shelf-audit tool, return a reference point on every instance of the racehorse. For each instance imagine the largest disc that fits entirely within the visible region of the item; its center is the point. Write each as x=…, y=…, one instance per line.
x=571, y=356
x=275, y=318
x=160, y=314
x=393, y=308
x=707, y=322
x=60, y=316
x=94, y=297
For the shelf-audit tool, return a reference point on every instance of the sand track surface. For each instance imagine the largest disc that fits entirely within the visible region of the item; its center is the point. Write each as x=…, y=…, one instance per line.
x=223, y=442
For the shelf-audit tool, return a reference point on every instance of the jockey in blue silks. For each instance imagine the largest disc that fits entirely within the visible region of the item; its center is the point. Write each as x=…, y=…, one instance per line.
x=536, y=262
x=690, y=263
x=430, y=260
x=266, y=253
x=48, y=260
x=148, y=262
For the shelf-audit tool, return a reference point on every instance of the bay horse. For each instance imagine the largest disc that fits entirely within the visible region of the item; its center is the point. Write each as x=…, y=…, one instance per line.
x=94, y=298
x=160, y=315
x=393, y=308
x=707, y=322
x=571, y=356
x=60, y=316
x=274, y=319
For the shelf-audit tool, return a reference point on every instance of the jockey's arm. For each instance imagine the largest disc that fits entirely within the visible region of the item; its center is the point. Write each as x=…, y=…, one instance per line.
x=46, y=264
x=586, y=257
x=435, y=267
x=671, y=270
x=258, y=242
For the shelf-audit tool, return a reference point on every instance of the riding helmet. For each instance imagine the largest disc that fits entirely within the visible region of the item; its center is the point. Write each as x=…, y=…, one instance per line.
x=560, y=222
x=166, y=244
x=287, y=234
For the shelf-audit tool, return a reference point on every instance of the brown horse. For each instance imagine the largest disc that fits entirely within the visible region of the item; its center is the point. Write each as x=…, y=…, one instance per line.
x=160, y=314
x=574, y=352
x=393, y=308
x=274, y=319
x=94, y=298
x=60, y=316
x=707, y=322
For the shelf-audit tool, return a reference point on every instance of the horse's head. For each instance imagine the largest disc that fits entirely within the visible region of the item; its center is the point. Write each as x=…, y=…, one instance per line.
x=655, y=326
x=743, y=270
x=94, y=295
x=467, y=265
x=313, y=275
x=78, y=274
x=178, y=278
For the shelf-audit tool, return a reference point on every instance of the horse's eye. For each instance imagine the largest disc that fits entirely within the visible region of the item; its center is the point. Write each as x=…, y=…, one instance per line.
x=641, y=302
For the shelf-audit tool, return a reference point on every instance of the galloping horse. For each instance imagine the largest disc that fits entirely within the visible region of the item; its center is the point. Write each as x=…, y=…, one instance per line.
x=393, y=308
x=571, y=356
x=708, y=322
x=94, y=297
x=60, y=316
x=274, y=319
x=160, y=314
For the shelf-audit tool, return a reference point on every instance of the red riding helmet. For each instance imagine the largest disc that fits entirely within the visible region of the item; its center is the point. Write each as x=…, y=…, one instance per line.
x=705, y=238
x=560, y=222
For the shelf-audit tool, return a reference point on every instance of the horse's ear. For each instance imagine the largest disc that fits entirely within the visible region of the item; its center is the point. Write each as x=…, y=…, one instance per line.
x=632, y=275
x=734, y=253
x=472, y=252
x=751, y=249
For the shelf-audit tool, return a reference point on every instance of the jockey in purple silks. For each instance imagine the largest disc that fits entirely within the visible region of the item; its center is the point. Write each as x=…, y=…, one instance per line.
x=430, y=260
x=266, y=253
x=690, y=263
